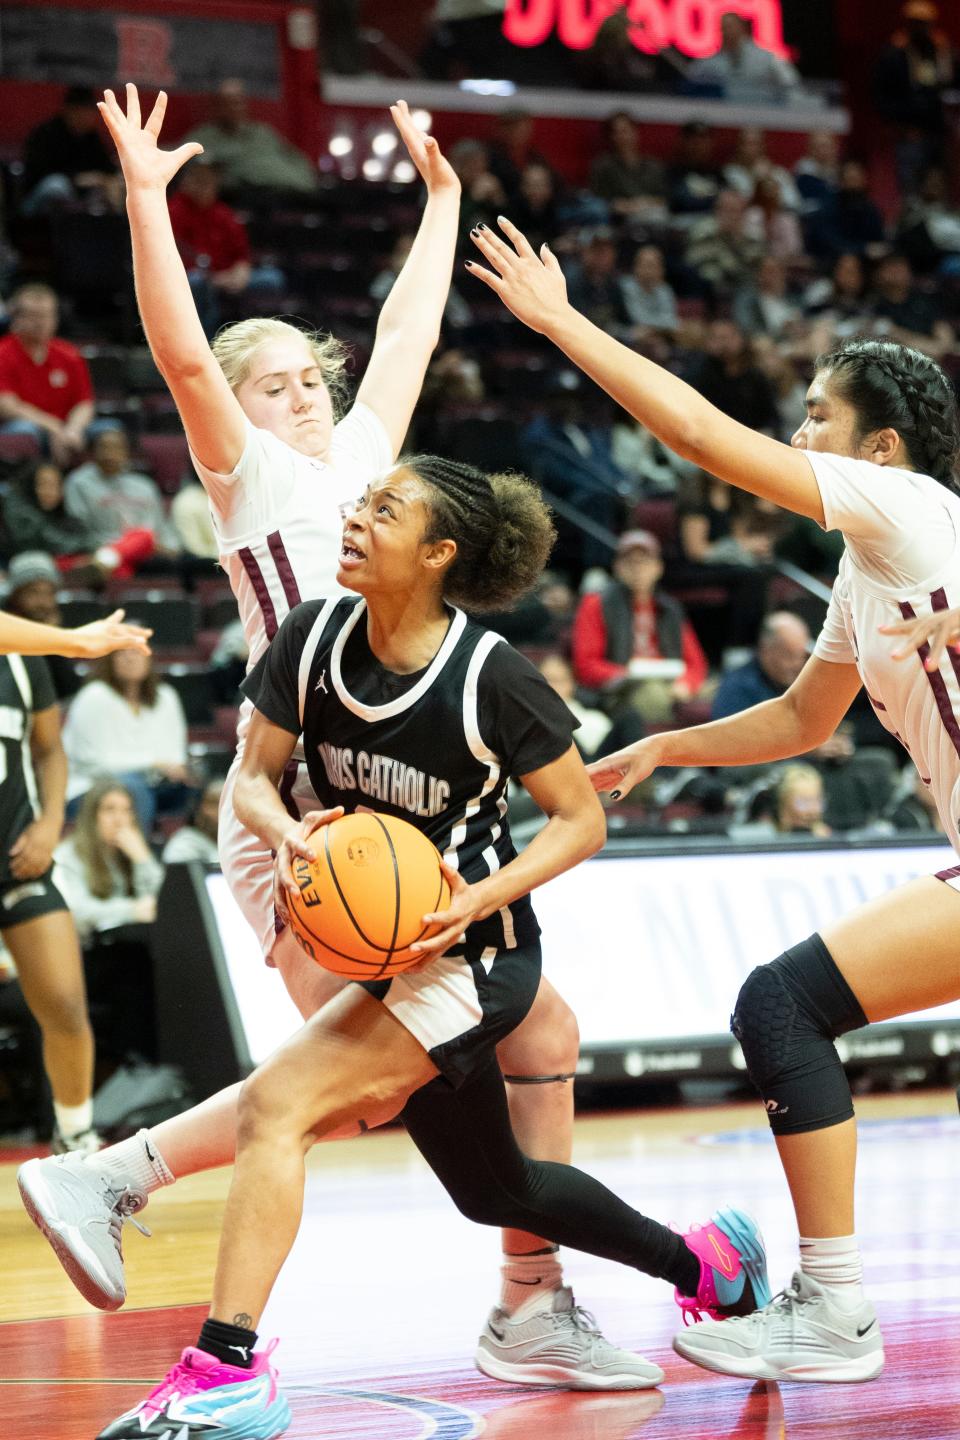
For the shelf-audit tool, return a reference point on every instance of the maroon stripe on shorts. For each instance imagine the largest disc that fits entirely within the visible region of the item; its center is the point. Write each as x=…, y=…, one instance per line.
x=288, y=580
x=936, y=681
x=877, y=704
x=950, y=874
x=255, y=575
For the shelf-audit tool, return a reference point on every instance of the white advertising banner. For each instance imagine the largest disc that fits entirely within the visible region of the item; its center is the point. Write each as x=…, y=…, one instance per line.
x=644, y=948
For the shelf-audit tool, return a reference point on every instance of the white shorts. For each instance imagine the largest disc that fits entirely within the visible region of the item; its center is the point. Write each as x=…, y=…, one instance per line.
x=246, y=862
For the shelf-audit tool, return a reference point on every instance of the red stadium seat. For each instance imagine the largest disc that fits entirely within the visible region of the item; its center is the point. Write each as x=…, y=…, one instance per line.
x=169, y=459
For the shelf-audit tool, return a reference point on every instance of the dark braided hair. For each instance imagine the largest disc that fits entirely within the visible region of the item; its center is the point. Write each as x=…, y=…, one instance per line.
x=890, y=385
x=502, y=528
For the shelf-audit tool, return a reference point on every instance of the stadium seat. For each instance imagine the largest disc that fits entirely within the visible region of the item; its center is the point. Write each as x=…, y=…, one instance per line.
x=168, y=457
x=193, y=686
x=174, y=619
x=17, y=448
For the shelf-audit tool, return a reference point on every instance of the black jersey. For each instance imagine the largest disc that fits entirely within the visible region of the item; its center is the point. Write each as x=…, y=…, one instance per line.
x=436, y=748
x=25, y=687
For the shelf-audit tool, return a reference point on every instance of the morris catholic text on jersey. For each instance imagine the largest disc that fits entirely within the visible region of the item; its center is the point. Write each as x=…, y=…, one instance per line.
x=436, y=748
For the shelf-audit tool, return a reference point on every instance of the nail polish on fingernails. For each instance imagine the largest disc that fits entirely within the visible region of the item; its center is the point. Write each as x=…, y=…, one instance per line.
x=481, y=226
x=614, y=794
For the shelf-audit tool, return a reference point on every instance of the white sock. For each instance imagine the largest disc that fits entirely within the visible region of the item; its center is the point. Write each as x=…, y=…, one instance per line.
x=835, y=1263
x=135, y=1162
x=73, y=1119
x=526, y=1279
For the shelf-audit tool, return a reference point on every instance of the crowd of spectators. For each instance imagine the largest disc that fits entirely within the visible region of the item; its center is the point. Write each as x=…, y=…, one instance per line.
x=672, y=598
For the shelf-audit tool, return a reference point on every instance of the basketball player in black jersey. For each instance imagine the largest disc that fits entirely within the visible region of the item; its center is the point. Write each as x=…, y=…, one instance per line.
x=408, y=708
x=34, y=920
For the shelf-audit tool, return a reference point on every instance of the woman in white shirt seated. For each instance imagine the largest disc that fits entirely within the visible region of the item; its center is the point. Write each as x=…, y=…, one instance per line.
x=128, y=724
x=110, y=880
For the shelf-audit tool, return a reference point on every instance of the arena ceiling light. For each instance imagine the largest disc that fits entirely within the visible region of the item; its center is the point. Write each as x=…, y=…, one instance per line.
x=384, y=143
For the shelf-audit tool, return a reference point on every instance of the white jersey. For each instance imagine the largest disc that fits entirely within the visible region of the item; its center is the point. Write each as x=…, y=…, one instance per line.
x=277, y=524
x=902, y=558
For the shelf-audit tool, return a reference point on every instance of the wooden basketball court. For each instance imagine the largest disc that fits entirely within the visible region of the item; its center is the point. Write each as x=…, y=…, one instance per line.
x=379, y=1306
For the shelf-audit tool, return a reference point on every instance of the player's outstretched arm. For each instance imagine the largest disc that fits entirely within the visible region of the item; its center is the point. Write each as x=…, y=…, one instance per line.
x=939, y=630
x=533, y=288
x=209, y=410
x=575, y=830
x=86, y=642
x=409, y=324
x=793, y=724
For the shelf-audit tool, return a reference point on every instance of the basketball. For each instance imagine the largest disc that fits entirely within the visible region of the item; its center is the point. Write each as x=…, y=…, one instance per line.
x=360, y=904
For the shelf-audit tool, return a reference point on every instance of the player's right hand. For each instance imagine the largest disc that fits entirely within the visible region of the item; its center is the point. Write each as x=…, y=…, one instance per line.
x=617, y=774
x=296, y=844
x=939, y=630
x=144, y=165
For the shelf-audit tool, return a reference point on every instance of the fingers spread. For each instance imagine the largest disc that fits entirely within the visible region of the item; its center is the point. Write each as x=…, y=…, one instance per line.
x=133, y=105
x=519, y=240
x=157, y=114
x=491, y=246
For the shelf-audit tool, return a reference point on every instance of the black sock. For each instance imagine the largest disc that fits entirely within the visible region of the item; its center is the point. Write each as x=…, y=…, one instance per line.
x=229, y=1343
x=685, y=1270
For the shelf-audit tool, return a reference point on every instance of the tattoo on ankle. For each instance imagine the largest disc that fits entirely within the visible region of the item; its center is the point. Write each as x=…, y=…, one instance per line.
x=244, y=1321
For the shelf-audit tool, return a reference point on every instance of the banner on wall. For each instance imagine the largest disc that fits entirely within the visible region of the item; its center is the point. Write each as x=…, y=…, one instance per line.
x=651, y=950
x=67, y=46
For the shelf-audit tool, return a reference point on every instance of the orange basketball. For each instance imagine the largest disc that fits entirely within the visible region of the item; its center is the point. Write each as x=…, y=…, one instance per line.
x=360, y=905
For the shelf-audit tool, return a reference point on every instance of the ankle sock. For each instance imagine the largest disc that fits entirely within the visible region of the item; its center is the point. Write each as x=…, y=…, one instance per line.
x=231, y=1344
x=73, y=1119
x=136, y=1162
x=526, y=1279
x=834, y=1262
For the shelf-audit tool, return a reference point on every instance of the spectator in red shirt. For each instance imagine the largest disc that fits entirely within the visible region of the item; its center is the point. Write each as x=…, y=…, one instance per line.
x=630, y=635
x=45, y=387
x=213, y=243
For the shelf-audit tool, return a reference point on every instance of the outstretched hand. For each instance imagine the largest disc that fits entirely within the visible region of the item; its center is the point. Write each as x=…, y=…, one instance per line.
x=435, y=172
x=144, y=165
x=940, y=631
x=617, y=774
x=102, y=637
x=531, y=286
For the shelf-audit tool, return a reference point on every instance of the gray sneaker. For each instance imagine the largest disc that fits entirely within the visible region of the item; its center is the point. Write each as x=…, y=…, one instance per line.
x=81, y=1212
x=88, y=1142
x=559, y=1346
x=800, y=1335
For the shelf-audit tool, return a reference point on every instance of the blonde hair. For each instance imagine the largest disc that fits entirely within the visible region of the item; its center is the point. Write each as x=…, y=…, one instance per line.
x=235, y=346
x=795, y=775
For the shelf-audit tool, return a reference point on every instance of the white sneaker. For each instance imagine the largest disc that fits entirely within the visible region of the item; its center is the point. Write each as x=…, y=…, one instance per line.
x=81, y=1212
x=88, y=1142
x=800, y=1335
x=560, y=1345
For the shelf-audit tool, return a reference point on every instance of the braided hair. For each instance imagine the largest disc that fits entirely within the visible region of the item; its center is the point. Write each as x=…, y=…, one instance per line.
x=891, y=385
x=502, y=528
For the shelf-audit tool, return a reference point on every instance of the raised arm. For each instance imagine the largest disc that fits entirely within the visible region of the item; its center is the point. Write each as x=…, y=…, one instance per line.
x=795, y=723
x=535, y=290
x=409, y=324
x=210, y=412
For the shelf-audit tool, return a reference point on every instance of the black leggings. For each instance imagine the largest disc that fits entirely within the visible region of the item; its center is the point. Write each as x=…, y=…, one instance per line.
x=465, y=1137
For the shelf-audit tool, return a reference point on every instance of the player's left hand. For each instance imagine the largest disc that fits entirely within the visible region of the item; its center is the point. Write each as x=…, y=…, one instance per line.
x=465, y=905
x=939, y=630
x=31, y=855
x=437, y=173
x=531, y=286
x=102, y=637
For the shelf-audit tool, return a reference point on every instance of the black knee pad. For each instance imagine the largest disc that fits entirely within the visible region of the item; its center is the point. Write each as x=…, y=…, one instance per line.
x=787, y=1017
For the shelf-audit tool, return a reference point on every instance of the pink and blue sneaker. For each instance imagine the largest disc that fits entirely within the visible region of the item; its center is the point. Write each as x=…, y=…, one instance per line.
x=733, y=1267
x=201, y=1396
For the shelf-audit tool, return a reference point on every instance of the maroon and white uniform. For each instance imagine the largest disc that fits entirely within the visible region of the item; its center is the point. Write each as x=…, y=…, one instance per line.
x=279, y=529
x=902, y=558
